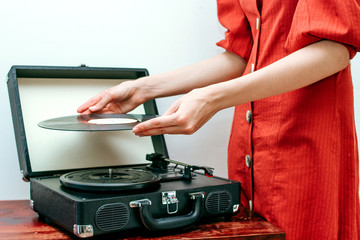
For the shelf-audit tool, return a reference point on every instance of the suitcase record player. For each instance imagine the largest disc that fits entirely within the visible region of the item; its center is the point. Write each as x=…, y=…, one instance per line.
x=104, y=180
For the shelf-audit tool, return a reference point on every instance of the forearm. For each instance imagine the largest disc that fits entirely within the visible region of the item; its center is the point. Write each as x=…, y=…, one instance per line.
x=302, y=68
x=217, y=69
x=297, y=70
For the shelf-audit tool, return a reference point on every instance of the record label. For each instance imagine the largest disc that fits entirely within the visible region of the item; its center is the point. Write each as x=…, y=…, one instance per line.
x=112, y=121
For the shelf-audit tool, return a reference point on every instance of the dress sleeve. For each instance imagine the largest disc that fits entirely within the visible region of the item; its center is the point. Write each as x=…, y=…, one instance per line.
x=336, y=20
x=238, y=35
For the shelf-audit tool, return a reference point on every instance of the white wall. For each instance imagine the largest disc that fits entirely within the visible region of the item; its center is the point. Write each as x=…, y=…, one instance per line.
x=159, y=35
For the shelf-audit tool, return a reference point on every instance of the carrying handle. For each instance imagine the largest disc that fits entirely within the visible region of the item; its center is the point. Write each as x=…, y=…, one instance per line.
x=170, y=223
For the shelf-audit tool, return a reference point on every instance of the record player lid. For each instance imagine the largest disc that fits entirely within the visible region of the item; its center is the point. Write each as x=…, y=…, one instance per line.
x=37, y=93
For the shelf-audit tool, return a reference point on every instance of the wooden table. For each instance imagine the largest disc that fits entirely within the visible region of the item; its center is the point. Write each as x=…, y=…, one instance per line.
x=18, y=221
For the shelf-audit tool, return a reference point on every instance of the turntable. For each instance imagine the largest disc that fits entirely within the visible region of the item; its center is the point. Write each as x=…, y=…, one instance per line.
x=97, y=177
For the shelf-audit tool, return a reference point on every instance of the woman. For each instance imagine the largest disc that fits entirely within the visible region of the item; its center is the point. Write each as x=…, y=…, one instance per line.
x=293, y=143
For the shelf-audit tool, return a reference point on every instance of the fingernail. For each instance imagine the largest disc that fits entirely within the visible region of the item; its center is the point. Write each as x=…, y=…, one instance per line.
x=135, y=129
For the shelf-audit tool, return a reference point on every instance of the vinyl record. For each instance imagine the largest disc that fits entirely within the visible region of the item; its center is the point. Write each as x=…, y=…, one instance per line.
x=95, y=122
x=117, y=179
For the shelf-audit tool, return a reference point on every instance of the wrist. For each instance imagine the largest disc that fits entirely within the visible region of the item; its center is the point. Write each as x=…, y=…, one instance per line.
x=210, y=98
x=142, y=89
x=216, y=98
x=151, y=87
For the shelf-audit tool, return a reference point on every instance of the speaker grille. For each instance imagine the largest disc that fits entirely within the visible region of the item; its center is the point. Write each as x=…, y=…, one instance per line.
x=218, y=202
x=110, y=217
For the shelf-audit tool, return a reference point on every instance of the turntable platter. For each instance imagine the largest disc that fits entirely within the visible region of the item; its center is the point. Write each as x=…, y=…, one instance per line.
x=118, y=179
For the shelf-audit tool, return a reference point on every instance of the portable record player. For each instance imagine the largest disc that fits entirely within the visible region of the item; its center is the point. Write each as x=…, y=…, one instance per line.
x=93, y=178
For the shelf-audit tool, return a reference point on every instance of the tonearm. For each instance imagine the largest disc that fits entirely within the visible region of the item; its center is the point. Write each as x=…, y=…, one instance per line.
x=160, y=162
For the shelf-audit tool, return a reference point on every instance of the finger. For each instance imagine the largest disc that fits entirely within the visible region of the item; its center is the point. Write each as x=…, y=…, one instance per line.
x=163, y=130
x=172, y=109
x=159, y=122
x=85, y=112
x=85, y=106
x=160, y=131
x=164, y=125
x=99, y=105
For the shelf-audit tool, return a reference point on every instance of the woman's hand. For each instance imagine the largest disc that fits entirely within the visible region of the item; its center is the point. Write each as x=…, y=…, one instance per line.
x=185, y=116
x=118, y=99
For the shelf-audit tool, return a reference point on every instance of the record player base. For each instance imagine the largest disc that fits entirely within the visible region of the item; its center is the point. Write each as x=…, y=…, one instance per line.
x=18, y=221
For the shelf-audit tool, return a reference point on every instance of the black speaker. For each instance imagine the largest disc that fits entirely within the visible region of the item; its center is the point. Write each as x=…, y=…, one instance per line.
x=218, y=202
x=110, y=217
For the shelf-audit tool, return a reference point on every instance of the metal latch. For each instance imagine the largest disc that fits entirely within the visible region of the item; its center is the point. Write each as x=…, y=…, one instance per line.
x=169, y=198
x=83, y=231
x=139, y=203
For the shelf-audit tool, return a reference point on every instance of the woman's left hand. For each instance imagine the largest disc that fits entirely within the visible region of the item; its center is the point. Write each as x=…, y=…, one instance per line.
x=185, y=116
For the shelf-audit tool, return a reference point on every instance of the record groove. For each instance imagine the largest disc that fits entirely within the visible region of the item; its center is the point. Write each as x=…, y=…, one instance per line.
x=95, y=122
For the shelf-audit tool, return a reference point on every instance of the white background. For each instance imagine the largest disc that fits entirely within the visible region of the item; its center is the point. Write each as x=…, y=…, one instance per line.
x=159, y=35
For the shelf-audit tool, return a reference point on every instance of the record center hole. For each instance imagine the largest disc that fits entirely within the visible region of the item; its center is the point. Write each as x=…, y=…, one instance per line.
x=100, y=121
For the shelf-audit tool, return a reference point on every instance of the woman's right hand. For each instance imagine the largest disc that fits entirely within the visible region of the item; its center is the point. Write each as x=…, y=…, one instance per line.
x=121, y=98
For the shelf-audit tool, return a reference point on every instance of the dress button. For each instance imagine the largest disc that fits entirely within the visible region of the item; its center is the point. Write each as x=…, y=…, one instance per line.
x=248, y=161
x=248, y=116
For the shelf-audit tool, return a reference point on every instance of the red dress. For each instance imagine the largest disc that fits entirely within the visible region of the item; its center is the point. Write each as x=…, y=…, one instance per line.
x=296, y=154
